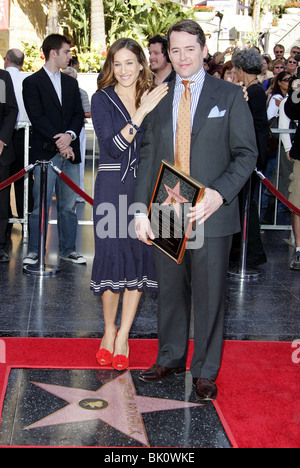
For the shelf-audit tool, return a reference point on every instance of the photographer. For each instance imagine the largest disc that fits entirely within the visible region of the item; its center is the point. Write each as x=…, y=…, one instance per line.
x=292, y=110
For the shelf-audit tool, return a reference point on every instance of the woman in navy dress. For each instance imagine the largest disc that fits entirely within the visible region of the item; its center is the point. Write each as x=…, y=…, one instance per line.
x=122, y=264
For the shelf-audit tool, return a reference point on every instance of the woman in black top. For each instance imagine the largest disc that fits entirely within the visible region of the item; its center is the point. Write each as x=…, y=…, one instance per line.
x=248, y=65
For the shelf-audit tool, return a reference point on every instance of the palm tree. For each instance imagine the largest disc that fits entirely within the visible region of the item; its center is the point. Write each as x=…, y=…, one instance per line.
x=97, y=23
x=256, y=14
x=53, y=18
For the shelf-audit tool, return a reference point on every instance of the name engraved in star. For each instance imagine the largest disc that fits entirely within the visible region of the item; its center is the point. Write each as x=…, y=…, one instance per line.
x=135, y=424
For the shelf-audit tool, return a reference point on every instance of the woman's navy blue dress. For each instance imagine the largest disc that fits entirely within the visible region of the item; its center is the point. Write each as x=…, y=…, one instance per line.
x=121, y=260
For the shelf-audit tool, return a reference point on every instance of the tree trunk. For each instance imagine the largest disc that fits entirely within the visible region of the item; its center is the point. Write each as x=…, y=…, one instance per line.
x=256, y=15
x=53, y=19
x=97, y=24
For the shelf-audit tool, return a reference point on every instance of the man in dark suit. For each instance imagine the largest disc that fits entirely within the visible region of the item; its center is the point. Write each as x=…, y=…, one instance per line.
x=52, y=101
x=222, y=157
x=8, y=118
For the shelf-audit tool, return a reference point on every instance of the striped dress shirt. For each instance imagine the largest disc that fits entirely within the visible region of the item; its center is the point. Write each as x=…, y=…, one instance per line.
x=196, y=89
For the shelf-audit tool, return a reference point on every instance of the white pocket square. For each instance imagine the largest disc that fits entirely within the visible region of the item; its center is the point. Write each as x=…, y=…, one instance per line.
x=216, y=113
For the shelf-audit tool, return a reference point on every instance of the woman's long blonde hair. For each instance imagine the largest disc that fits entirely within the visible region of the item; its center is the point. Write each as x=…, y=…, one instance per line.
x=145, y=79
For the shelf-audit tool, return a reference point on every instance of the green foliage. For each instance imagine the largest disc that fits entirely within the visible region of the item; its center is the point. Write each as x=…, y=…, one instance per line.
x=162, y=16
x=90, y=60
x=75, y=17
x=33, y=60
x=276, y=6
x=139, y=19
x=120, y=20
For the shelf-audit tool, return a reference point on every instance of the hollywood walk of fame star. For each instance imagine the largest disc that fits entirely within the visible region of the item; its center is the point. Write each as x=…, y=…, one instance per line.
x=115, y=403
x=174, y=198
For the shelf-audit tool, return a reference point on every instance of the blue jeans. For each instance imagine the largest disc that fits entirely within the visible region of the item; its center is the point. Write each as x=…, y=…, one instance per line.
x=66, y=201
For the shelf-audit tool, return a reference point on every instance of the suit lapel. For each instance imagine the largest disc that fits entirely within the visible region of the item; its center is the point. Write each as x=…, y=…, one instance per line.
x=64, y=89
x=209, y=96
x=166, y=117
x=48, y=87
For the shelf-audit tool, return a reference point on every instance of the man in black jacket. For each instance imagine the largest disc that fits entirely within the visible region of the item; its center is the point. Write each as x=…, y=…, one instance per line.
x=292, y=110
x=52, y=101
x=8, y=117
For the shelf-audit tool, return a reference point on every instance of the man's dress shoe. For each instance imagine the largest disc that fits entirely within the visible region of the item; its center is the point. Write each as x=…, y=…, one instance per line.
x=157, y=373
x=206, y=389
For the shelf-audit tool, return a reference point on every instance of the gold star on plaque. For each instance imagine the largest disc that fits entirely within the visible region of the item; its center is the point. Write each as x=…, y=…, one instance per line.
x=174, y=198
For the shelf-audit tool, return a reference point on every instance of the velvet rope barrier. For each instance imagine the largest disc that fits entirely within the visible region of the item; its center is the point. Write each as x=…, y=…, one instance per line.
x=72, y=185
x=266, y=182
x=277, y=194
x=13, y=179
x=87, y=198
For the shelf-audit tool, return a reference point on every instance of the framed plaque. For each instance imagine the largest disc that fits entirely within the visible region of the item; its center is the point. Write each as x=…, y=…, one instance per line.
x=174, y=194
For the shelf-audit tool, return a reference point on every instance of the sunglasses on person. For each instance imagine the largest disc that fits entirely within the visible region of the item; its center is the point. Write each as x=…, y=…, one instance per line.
x=286, y=80
x=291, y=61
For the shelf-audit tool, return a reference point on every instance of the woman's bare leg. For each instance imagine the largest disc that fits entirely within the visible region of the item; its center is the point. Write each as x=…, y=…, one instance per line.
x=131, y=301
x=110, y=302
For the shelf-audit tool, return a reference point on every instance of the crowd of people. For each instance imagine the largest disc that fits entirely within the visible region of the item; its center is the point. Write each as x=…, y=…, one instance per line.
x=268, y=82
x=144, y=111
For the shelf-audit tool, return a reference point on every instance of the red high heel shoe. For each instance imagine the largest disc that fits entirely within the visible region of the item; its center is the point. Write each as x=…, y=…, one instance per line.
x=104, y=357
x=120, y=362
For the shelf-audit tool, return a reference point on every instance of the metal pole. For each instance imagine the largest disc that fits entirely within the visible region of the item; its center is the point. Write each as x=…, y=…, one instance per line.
x=241, y=272
x=26, y=183
x=43, y=216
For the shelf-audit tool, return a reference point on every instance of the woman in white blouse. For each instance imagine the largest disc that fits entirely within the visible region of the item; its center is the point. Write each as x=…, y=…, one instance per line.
x=281, y=86
x=285, y=166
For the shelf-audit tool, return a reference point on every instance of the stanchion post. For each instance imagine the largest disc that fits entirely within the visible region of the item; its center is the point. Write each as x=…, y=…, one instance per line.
x=41, y=269
x=26, y=184
x=42, y=219
x=241, y=272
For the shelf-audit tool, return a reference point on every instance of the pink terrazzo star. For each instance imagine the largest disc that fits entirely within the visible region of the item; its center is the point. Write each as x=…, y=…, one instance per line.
x=115, y=403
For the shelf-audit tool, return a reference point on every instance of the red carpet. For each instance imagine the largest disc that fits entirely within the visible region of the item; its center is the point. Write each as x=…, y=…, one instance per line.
x=259, y=385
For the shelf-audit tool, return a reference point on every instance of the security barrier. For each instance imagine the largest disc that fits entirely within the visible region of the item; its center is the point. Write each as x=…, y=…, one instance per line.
x=24, y=220
x=275, y=225
x=89, y=222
